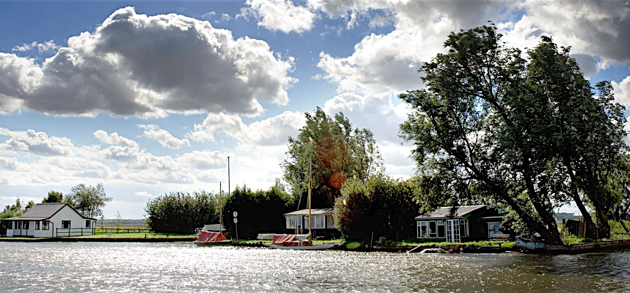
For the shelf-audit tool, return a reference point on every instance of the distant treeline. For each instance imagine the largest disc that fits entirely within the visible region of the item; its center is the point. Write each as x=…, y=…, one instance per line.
x=127, y=222
x=258, y=211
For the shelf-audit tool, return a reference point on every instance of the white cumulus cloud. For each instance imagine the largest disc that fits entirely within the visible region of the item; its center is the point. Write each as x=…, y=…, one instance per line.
x=162, y=136
x=268, y=132
x=280, y=15
x=622, y=91
x=143, y=194
x=34, y=142
x=135, y=64
x=114, y=139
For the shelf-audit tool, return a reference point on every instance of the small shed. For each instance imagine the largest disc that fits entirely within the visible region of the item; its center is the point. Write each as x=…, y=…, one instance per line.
x=50, y=220
x=322, y=223
x=463, y=223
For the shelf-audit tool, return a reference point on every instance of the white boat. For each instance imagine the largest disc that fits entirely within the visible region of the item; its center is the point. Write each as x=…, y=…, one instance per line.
x=433, y=250
x=300, y=242
x=296, y=242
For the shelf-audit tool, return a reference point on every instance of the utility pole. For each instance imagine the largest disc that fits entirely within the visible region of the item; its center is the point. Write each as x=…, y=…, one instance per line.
x=229, y=193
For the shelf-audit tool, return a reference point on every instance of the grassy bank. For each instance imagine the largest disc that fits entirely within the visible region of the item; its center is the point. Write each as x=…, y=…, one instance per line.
x=139, y=235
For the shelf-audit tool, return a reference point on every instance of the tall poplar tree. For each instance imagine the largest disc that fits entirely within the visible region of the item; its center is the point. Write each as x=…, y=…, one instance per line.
x=333, y=151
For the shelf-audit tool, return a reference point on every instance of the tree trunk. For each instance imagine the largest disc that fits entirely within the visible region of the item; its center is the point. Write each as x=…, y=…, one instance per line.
x=553, y=235
x=589, y=228
x=624, y=226
x=590, y=231
x=603, y=227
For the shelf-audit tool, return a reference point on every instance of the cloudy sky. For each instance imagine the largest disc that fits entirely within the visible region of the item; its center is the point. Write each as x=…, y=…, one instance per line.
x=149, y=97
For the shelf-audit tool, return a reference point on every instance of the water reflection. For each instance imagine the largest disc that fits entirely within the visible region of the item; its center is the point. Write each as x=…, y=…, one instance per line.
x=182, y=267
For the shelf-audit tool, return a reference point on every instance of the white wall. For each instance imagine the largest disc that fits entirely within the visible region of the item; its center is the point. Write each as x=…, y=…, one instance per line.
x=76, y=221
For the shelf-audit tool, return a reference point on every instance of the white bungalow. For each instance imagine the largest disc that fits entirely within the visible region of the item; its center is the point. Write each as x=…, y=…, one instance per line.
x=322, y=220
x=50, y=220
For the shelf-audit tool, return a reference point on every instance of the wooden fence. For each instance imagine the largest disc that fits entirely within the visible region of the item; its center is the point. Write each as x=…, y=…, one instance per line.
x=122, y=230
x=67, y=232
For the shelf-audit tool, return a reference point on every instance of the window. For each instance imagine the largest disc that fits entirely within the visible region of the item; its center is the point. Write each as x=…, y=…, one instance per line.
x=432, y=229
x=36, y=225
x=463, y=223
x=88, y=224
x=25, y=225
x=423, y=229
x=45, y=225
x=440, y=228
x=294, y=222
x=318, y=222
x=330, y=222
x=65, y=224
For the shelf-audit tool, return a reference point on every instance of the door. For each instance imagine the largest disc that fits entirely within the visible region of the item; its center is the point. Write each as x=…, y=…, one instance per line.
x=453, y=234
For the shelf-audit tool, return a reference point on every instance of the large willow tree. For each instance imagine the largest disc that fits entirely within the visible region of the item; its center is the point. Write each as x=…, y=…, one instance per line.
x=334, y=151
x=528, y=133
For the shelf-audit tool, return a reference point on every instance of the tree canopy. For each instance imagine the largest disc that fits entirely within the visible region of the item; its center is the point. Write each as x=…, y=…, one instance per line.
x=57, y=197
x=16, y=209
x=379, y=207
x=181, y=212
x=527, y=133
x=258, y=211
x=87, y=199
x=334, y=151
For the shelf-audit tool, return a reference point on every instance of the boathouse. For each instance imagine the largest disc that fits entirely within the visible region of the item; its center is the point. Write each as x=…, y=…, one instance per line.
x=50, y=220
x=322, y=225
x=459, y=224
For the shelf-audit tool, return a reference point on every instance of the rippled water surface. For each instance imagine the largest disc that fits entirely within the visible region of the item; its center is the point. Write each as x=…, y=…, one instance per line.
x=183, y=267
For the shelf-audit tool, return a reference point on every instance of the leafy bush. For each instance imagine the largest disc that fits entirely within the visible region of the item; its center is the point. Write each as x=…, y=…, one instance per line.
x=258, y=211
x=380, y=207
x=179, y=212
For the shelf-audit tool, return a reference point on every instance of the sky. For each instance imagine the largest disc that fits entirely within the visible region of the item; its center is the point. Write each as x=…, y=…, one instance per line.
x=150, y=97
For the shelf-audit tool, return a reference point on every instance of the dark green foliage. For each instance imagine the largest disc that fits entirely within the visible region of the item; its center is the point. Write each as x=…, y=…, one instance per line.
x=181, y=212
x=527, y=134
x=258, y=211
x=53, y=197
x=336, y=152
x=88, y=200
x=382, y=206
x=14, y=210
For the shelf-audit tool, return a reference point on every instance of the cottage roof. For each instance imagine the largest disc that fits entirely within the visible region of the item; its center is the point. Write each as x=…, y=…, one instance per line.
x=43, y=211
x=445, y=212
x=304, y=212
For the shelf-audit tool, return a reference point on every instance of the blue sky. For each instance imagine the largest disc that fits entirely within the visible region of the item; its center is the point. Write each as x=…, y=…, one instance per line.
x=149, y=97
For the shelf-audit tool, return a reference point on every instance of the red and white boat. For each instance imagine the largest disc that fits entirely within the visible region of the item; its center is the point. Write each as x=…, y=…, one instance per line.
x=211, y=238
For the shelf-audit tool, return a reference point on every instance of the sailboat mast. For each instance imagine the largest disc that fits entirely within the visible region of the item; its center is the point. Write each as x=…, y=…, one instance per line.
x=310, y=176
x=229, y=175
x=220, y=209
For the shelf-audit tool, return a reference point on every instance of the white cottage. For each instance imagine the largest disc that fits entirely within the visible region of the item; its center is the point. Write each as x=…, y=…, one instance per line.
x=50, y=220
x=323, y=223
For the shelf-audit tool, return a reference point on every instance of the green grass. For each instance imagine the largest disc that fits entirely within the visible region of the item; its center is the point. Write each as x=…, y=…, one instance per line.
x=503, y=243
x=140, y=235
x=254, y=241
x=616, y=233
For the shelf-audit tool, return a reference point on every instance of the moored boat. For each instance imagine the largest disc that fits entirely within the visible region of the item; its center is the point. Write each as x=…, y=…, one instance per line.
x=296, y=242
x=300, y=242
x=211, y=238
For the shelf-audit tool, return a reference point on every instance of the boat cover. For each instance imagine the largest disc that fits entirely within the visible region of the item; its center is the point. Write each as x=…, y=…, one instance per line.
x=283, y=239
x=207, y=236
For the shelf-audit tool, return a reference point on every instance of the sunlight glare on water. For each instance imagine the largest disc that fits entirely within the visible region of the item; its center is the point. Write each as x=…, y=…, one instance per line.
x=183, y=267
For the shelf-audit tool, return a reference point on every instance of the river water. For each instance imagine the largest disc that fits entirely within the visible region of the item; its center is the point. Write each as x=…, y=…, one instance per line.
x=183, y=267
